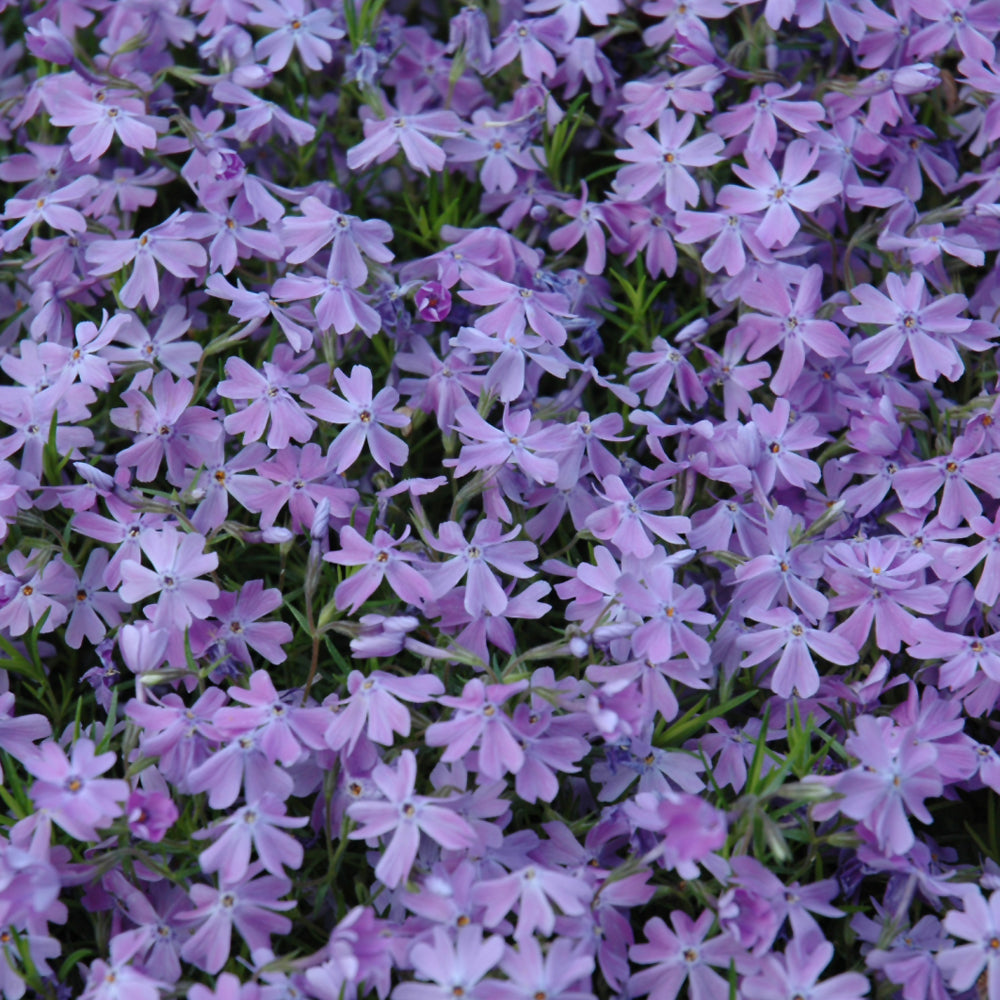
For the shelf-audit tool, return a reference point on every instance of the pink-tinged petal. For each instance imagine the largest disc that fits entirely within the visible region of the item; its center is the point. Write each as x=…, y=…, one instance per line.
x=376, y=145
x=387, y=449
x=831, y=647
x=881, y=351
x=449, y=829
x=875, y=306
x=809, y=196
x=375, y=818
x=347, y=447
x=138, y=582
x=795, y=672
x=779, y=225
x=397, y=859
x=743, y=201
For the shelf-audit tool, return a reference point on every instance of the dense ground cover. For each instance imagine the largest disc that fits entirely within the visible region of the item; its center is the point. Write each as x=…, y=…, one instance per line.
x=499, y=502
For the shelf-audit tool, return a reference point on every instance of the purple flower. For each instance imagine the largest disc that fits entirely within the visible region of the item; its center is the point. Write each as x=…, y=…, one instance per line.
x=664, y=162
x=94, y=117
x=682, y=955
x=408, y=815
x=170, y=244
x=302, y=480
x=452, y=967
x=958, y=472
x=533, y=888
x=166, y=427
x=490, y=549
x=979, y=923
x=792, y=325
x=50, y=208
x=379, y=559
x=366, y=416
x=515, y=441
x=237, y=628
x=247, y=904
x=33, y=590
x=307, y=32
x=372, y=707
x=795, y=672
x=353, y=239
x=227, y=986
x=178, y=561
x=627, y=521
x=480, y=719
x=892, y=779
x=433, y=302
x=258, y=825
x=406, y=130
x=19, y=733
x=118, y=978
x=761, y=113
x=269, y=395
x=150, y=815
x=70, y=790
x=778, y=196
x=795, y=973
x=560, y=974
x=926, y=329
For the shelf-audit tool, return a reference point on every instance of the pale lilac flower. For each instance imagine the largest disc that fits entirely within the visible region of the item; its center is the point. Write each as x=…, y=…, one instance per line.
x=269, y=396
x=95, y=116
x=517, y=306
x=795, y=973
x=490, y=549
x=178, y=562
x=792, y=325
x=50, y=208
x=978, y=923
x=372, y=707
x=406, y=130
x=533, y=889
x=248, y=904
x=169, y=244
x=121, y=978
x=408, y=815
x=451, y=967
x=778, y=196
x=70, y=790
x=927, y=330
x=795, y=672
x=682, y=955
x=515, y=441
x=307, y=32
x=93, y=609
x=379, y=559
x=19, y=733
x=353, y=239
x=481, y=720
x=166, y=426
x=258, y=825
x=33, y=590
x=562, y=973
x=892, y=779
x=761, y=113
x=366, y=416
x=236, y=627
x=664, y=162
x=958, y=472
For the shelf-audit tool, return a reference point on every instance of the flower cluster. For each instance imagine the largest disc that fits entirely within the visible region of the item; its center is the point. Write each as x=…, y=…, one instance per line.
x=499, y=501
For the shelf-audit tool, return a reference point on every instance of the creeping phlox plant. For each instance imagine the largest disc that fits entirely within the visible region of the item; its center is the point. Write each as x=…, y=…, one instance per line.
x=499, y=502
